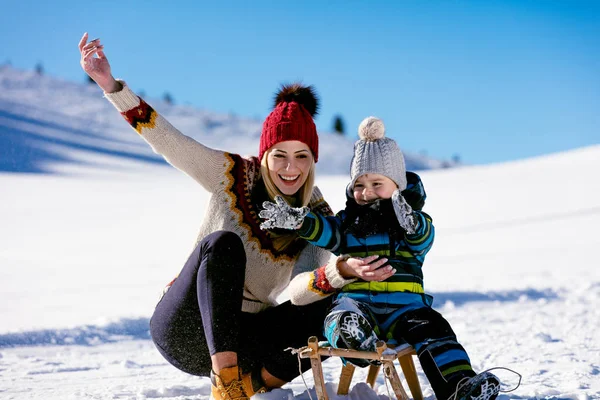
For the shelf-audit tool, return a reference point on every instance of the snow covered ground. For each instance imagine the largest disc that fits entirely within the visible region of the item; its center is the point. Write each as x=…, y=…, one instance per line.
x=86, y=248
x=514, y=269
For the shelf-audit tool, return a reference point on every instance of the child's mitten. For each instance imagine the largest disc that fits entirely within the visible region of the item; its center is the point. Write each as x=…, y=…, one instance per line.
x=281, y=215
x=405, y=214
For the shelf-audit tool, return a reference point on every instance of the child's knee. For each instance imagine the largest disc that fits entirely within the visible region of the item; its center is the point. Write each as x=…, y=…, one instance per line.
x=350, y=330
x=423, y=325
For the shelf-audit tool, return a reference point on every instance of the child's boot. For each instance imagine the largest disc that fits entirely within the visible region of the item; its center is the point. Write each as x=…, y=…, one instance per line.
x=484, y=386
x=351, y=330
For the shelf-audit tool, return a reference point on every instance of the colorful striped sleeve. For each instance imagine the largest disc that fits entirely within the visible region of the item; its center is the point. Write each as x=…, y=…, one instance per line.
x=324, y=231
x=421, y=241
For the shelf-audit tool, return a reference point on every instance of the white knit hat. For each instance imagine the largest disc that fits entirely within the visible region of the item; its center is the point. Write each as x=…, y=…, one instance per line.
x=376, y=154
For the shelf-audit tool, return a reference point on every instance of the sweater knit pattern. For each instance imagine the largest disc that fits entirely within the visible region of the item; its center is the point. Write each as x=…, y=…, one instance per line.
x=238, y=190
x=140, y=117
x=319, y=283
x=230, y=179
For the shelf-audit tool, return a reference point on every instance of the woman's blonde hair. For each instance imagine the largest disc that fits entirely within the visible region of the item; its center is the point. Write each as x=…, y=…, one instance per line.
x=300, y=198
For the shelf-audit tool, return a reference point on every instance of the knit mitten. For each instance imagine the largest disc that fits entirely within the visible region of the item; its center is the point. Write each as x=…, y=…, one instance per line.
x=405, y=214
x=281, y=215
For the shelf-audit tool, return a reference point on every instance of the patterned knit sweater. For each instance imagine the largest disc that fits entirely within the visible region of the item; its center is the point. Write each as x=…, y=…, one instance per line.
x=230, y=179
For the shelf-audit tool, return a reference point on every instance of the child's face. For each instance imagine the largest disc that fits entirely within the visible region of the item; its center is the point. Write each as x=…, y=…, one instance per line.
x=371, y=187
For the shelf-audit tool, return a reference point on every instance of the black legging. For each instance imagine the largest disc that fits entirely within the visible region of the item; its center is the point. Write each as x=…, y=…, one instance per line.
x=201, y=315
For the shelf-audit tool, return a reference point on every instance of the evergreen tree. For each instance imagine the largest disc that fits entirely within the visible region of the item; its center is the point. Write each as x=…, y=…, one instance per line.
x=338, y=125
x=39, y=69
x=167, y=98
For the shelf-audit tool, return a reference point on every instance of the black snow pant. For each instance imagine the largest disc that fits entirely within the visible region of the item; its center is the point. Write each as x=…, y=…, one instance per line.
x=201, y=315
x=443, y=359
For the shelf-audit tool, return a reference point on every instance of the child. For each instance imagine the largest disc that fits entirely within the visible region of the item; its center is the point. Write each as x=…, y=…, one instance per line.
x=378, y=220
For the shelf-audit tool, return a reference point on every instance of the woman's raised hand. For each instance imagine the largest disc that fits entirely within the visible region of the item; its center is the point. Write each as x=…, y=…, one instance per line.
x=368, y=269
x=95, y=64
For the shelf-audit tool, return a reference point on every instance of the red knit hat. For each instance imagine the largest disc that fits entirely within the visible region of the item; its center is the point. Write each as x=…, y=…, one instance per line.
x=292, y=119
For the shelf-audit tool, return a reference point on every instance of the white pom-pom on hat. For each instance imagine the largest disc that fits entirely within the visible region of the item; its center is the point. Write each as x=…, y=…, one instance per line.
x=371, y=129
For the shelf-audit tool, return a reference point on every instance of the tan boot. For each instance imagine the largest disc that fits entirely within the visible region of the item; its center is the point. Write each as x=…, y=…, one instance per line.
x=230, y=384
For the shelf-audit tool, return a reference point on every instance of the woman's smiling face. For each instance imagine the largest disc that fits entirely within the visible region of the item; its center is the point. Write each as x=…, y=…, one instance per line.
x=289, y=164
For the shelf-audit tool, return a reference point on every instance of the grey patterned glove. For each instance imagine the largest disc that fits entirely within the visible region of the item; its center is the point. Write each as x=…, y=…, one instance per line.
x=281, y=215
x=404, y=212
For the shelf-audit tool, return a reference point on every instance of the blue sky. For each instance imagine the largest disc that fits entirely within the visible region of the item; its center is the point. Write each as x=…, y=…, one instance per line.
x=487, y=80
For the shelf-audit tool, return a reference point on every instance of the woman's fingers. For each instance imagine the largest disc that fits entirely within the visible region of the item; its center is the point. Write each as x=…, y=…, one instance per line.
x=370, y=268
x=377, y=276
x=89, y=52
x=377, y=271
x=95, y=64
x=87, y=48
x=91, y=45
x=370, y=259
x=86, y=55
x=84, y=46
x=373, y=265
x=82, y=41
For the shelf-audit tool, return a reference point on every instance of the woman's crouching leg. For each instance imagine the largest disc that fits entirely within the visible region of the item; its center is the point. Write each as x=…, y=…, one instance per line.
x=281, y=327
x=199, y=314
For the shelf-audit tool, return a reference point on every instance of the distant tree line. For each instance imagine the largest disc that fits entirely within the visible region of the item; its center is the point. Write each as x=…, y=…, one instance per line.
x=339, y=126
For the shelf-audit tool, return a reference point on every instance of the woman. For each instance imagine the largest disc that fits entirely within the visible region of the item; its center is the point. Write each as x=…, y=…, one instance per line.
x=219, y=317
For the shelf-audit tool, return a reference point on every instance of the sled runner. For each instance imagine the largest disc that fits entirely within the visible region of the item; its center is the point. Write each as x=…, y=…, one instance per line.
x=384, y=354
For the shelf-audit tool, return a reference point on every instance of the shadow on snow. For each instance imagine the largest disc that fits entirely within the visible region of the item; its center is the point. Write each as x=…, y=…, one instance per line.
x=127, y=329
x=88, y=335
x=33, y=152
x=460, y=298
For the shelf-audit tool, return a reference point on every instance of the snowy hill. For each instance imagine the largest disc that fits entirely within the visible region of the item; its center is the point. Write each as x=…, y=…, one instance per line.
x=49, y=125
x=85, y=252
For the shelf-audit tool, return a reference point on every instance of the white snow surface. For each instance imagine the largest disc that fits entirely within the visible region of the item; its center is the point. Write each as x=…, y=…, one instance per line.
x=87, y=246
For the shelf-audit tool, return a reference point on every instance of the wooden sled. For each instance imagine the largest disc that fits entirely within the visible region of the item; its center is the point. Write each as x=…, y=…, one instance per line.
x=402, y=353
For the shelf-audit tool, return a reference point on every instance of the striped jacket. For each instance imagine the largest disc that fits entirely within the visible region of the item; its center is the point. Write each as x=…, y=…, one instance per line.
x=406, y=253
